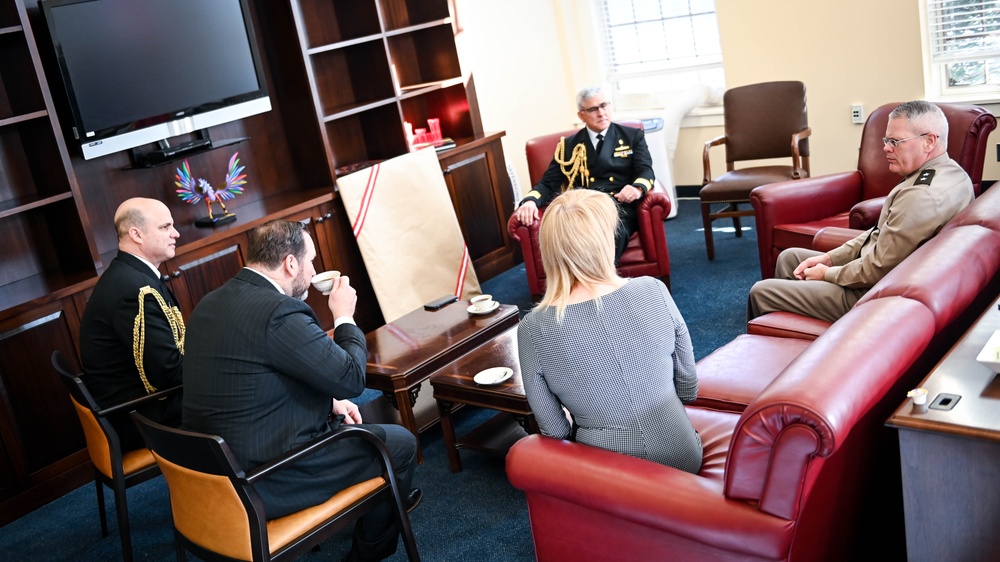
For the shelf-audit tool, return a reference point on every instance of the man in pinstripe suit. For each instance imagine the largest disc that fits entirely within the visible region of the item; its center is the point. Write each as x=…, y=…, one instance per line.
x=261, y=373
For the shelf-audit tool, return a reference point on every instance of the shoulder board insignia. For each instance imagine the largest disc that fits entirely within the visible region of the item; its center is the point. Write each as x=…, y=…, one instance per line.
x=925, y=177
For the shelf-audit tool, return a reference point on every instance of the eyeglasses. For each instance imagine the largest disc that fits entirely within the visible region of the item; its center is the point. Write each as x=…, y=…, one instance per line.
x=896, y=142
x=597, y=108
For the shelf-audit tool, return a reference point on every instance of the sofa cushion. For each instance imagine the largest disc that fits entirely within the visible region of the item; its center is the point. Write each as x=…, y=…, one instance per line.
x=787, y=325
x=715, y=429
x=734, y=374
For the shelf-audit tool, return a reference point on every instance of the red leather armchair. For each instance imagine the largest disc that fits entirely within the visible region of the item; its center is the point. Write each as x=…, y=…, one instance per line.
x=646, y=253
x=789, y=214
x=791, y=477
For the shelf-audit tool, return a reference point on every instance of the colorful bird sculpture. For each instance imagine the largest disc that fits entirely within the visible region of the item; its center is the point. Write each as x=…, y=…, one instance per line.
x=192, y=190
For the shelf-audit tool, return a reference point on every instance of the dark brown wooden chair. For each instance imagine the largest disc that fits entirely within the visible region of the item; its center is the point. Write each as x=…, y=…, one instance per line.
x=219, y=516
x=114, y=468
x=762, y=121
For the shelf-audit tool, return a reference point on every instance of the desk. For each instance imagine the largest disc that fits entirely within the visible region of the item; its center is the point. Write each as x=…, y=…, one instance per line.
x=402, y=355
x=454, y=386
x=950, y=459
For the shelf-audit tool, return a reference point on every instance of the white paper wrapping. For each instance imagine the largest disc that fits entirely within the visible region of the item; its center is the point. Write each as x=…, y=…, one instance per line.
x=409, y=236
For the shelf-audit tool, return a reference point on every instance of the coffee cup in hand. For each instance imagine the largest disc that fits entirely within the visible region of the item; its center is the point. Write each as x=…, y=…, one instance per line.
x=323, y=282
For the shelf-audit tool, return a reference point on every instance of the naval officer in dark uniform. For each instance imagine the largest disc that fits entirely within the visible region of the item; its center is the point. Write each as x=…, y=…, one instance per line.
x=132, y=333
x=603, y=156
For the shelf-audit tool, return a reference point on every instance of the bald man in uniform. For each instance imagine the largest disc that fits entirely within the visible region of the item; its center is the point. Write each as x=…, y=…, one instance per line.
x=132, y=333
x=933, y=190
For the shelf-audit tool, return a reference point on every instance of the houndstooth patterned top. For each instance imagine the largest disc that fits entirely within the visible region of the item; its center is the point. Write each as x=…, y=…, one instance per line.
x=623, y=371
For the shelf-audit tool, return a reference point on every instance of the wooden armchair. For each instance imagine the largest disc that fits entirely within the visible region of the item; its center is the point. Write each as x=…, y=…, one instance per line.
x=113, y=467
x=762, y=121
x=646, y=253
x=219, y=516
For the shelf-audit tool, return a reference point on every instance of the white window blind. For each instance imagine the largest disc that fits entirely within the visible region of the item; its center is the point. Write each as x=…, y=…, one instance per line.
x=661, y=44
x=963, y=30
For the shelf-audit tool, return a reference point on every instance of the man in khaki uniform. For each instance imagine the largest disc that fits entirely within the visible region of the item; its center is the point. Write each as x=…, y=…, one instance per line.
x=934, y=189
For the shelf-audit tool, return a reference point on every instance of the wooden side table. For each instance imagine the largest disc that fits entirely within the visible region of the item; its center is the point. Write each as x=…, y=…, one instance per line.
x=404, y=353
x=950, y=455
x=454, y=387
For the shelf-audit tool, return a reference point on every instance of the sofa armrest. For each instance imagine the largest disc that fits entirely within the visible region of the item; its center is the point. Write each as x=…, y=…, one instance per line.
x=805, y=200
x=644, y=493
x=823, y=399
x=832, y=237
x=799, y=201
x=652, y=211
x=865, y=214
x=527, y=239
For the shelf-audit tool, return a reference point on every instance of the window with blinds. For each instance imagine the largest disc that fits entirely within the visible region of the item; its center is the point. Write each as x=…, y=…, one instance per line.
x=660, y=45
x=964, y=44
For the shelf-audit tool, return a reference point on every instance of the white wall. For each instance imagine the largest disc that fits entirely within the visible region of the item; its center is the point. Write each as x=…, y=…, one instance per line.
x=515, y=51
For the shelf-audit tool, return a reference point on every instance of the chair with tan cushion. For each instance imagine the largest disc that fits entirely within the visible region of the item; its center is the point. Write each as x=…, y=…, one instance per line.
x=219, y=516
x=113, y=467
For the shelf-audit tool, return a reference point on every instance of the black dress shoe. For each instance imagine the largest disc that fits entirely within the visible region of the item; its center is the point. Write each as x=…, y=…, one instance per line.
x=412, y=500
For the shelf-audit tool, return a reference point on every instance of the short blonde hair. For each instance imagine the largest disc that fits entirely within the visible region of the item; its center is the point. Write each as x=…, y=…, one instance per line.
x=577, y=241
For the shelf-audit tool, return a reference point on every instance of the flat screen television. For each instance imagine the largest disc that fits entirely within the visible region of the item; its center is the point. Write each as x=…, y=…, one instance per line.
x=142, y=71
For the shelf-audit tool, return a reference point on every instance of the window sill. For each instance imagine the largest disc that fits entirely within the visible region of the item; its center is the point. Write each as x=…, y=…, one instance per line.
x=980, y=97
x=704, y=116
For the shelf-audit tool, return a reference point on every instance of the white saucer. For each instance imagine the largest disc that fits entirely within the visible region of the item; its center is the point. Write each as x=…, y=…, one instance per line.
x=473, y=310
x=495, y=375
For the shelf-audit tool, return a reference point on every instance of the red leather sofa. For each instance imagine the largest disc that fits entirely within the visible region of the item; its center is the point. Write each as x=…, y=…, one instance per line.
x=798, y=464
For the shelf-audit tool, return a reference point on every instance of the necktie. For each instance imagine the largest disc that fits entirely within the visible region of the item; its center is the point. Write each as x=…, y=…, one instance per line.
x=600, y=142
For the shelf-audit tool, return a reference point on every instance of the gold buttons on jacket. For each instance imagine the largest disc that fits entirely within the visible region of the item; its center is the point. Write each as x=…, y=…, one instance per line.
x=611, y=179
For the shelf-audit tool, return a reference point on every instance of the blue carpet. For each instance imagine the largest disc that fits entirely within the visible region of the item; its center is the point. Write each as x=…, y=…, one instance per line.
x=473, y=515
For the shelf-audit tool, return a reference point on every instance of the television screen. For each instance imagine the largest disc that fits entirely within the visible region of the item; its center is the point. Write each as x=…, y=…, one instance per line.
x=139, y=71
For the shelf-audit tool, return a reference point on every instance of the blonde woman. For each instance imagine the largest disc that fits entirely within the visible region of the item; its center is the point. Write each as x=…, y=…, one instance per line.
x=614, y=352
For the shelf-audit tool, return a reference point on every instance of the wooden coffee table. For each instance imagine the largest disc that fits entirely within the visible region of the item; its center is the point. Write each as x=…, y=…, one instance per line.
x=404, y=353
x=454, y=387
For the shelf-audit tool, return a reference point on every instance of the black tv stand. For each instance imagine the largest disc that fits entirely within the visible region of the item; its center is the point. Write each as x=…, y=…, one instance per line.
x=172, y=152
x=181, y=149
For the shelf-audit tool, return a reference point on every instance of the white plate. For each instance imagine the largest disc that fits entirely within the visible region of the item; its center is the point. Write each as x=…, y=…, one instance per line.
x=496, y=375
x=473, y=310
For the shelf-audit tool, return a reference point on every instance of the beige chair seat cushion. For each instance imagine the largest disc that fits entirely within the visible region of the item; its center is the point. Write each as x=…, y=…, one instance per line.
x=736, y=185
x=285, y=529
x=134, y=461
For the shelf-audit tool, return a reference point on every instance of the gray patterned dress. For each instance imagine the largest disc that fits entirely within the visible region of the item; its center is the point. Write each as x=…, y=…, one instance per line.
x=623, y=371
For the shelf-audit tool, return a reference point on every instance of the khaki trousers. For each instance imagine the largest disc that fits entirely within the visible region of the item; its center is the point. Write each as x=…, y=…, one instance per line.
x=816, y=299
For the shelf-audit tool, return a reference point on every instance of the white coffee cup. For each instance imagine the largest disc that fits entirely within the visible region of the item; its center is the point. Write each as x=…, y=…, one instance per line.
x=482, y=303
x=323, y=282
